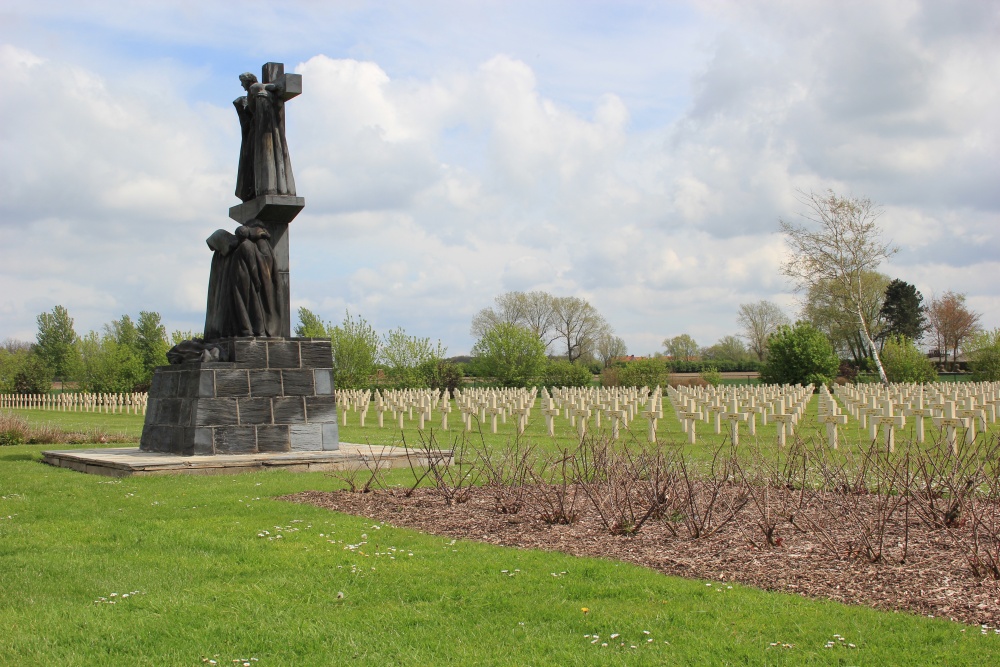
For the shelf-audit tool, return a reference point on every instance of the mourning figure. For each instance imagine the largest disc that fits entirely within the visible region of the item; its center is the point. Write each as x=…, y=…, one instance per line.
x=265, y=166
x=243, y=293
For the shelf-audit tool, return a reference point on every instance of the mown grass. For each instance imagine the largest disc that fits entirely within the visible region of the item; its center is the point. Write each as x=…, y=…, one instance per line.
x=215, y=581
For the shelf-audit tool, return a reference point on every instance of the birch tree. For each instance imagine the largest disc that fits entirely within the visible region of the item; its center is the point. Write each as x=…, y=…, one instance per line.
x=839, y=242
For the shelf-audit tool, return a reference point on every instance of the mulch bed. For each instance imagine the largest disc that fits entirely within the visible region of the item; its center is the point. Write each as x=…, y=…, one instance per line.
x=935, y=580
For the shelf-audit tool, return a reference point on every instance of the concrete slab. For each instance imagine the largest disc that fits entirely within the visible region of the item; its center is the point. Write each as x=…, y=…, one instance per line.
x=129, y=461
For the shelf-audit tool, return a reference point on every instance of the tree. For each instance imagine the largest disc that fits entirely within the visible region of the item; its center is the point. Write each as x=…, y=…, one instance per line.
x=952, y=322
x=760, y=320
x=799, y=355
x=846, y=245
x=531, y=310
x=311, y=326
x=152, y=341
x=983, y=351
x=55, y=343
x=644, y=373
x=729, y=348
x=681, y=348
x=905, y=363
x=511, y=354
x=109, y=362
x=407, y=358
x=829, y=308
x=355, y=347
x=561, y=373
x=578, y=326
x=609, y=348
x=903, y=311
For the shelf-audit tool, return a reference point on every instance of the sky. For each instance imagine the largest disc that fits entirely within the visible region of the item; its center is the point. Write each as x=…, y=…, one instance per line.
x=635, y=154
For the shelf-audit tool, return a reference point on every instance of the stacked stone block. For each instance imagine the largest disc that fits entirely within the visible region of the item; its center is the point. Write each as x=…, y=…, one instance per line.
x=275, y=395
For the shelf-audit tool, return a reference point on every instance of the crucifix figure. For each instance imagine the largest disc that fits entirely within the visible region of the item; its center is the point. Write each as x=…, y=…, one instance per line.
x=265, y=165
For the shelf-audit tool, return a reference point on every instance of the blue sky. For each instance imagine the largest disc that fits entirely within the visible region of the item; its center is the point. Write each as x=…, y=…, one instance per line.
x=635, y=154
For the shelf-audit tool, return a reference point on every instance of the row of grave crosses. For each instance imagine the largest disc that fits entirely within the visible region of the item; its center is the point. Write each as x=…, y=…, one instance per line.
x=782, y=404
x=619, y=405
x=949, y=406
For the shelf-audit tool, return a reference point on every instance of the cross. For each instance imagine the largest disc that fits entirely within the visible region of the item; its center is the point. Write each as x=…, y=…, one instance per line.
x=918, y=411
x=949, y=421
x=690, y=419
x=889, y=422
x=975, y=415
x=734, y=417
x=785, y=422
x=445, y=408
x=615, y=414
x=550, y=412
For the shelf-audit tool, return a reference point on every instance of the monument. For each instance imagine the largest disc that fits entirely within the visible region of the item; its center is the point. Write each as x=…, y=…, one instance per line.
x=247, y=386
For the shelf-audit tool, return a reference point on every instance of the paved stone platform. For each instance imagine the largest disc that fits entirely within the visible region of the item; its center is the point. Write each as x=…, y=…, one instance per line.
x=128, y=461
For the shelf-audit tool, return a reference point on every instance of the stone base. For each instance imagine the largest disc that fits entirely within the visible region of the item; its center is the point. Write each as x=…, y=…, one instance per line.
x=129, y=461
x=275, y=395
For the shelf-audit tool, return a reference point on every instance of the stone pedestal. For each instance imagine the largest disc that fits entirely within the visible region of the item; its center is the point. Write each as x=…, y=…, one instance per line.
x=274, y=395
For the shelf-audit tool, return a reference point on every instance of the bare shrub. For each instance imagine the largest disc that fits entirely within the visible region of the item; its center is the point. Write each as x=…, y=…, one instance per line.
x=451, y=472
x=370, y=474
x=777, y=488
x=506, y=470
x=709, y=498
x=944, y=480
x=627, y=485
x=977, y=529
x=865, y=490
x=553, y=491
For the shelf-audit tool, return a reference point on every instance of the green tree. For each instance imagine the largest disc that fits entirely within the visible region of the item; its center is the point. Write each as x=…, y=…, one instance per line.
x=55, y=343
x=406, y=357
x=729, y=348
x=151, y=341
x=983, y=351
x=903, y=311
x=561, y=373
x=681, y=348
x=511, y=354
x=109, y=363
x=311, y=326
x=355, y=347
x=830, y=309
x=29, y=374
x=799, y=355
x=903, y=362
x=177, y=336
x=644, y=373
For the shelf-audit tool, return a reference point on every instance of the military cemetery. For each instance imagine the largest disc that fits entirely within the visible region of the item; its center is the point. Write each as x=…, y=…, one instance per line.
x=511, y=450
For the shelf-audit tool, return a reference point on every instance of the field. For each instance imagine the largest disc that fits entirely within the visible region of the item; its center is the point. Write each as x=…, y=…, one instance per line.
x=216, y=568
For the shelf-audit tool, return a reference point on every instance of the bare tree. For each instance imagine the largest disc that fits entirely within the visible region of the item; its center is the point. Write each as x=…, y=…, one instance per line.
x=952, y=322
x=840, y=244
x=610, y=347
x=531, y=310
x=577, y=324
x=760, y=320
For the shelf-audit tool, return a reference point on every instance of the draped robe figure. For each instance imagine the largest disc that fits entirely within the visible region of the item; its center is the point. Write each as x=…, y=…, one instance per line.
x=265, y=165
x=243, y=291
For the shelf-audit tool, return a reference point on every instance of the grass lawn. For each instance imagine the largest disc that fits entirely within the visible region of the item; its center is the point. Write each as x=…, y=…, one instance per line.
x=209, y=577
